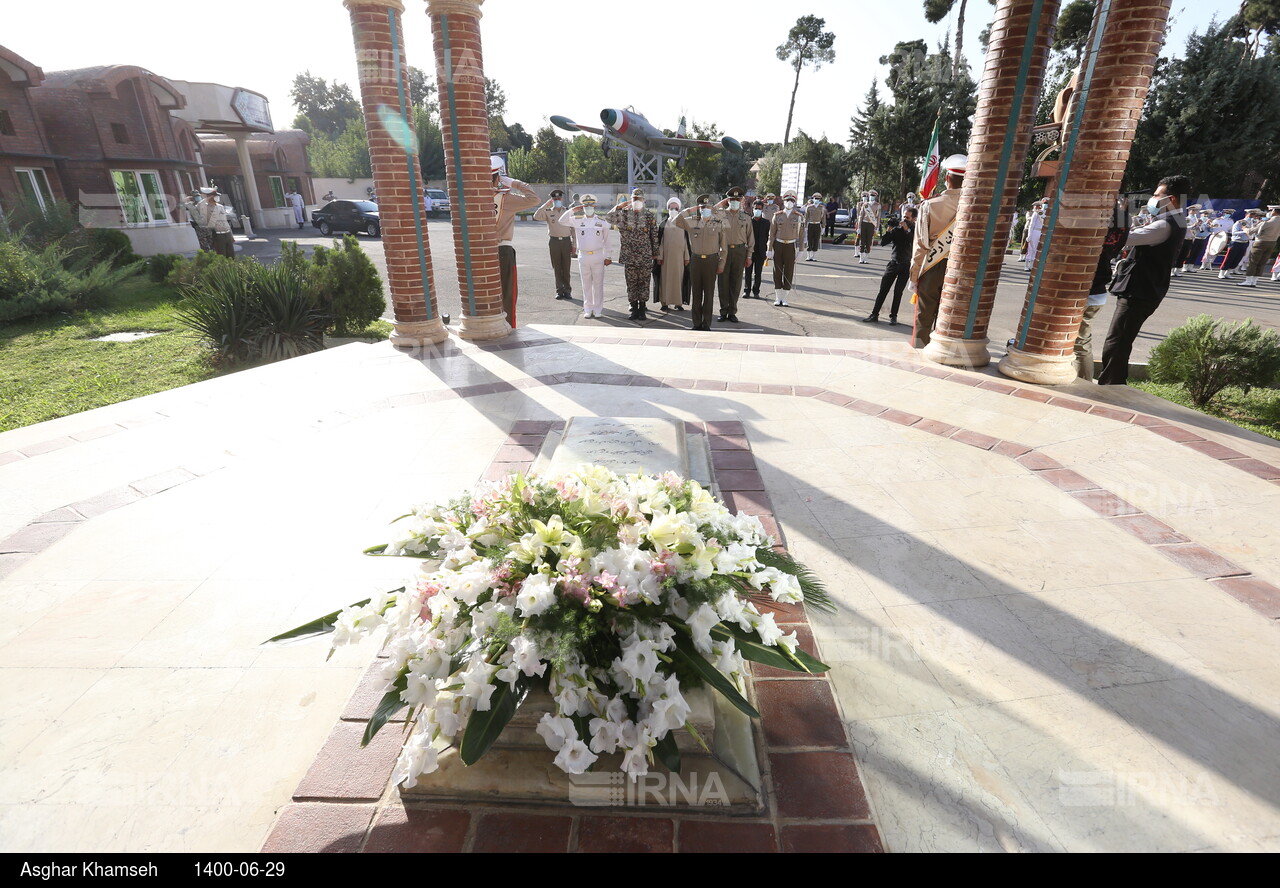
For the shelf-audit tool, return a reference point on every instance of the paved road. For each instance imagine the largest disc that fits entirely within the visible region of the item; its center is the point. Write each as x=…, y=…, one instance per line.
x=832, y=294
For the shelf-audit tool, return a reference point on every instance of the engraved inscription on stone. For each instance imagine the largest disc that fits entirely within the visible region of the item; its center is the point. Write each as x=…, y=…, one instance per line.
x=623, y=445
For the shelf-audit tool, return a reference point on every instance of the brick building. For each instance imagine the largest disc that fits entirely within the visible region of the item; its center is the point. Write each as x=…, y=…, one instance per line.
x=28, y=168
x=279, y=162
x=121, y=154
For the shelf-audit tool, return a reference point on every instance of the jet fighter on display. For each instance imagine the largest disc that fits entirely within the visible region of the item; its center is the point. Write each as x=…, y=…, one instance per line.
x=630, y=129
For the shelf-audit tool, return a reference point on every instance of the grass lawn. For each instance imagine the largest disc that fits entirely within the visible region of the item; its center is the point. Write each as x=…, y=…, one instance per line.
x=1258, y=411
x=49, y=367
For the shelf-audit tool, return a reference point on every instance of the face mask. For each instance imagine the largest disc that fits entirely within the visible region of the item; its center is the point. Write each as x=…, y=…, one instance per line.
x=789, y=204
x=637, y=205
x=590, y=211
x=1153, y=205
x=735, y=204
x=759, y=213
x=673, y=210
x=705, y=212
x=559, y=204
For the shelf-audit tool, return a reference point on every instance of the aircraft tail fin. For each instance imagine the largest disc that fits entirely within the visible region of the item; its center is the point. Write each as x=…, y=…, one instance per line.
x=680, y=130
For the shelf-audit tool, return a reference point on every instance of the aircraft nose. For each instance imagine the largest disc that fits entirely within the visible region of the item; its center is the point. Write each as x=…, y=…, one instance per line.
x=610, y=118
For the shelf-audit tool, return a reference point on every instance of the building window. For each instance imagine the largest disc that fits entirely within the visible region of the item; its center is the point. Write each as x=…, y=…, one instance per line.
x=6, y=124
x=142, y=200
x=120, y=133
x=35, y=187
x=277, y=190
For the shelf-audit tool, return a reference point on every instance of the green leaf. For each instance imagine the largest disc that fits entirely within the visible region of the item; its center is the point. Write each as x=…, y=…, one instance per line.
x=321, y=626
x=376, y=550
x=753, y=649
x=666, y=751
x=686, y=653
x=483, y=728
x=815, y=594
x=390, y=705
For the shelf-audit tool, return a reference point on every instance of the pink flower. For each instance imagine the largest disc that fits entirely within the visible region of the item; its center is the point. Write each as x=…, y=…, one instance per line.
x=606, y=580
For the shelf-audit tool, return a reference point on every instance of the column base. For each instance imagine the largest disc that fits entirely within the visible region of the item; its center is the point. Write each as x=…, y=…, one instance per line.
x=969, y=353
x=413, y=334
x=484, y=327
x=1038, y=369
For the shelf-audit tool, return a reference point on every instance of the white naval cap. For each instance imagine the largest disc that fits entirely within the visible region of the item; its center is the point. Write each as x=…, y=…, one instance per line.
x=956, y=163
x=496, y=163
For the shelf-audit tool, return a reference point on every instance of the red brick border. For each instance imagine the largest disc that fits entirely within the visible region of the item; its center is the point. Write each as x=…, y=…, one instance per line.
x=815, y=800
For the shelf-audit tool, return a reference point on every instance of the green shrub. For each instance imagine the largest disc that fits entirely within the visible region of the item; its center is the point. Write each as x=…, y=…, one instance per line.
x=347, y=285
x=39, y=227
x=104, y=245
x=160, y=265
x=42, y=281
x=189, y=272
x=1206, y=356
x=249, y=313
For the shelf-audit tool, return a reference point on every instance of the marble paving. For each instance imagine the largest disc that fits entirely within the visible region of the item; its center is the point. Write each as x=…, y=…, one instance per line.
x=1057, y=607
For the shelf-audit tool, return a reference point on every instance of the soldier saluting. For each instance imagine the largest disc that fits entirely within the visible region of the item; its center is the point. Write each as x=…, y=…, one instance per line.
x=559, y=242
x=707, y=253
x=740, y=239
x=639, y=235
x=784, y=234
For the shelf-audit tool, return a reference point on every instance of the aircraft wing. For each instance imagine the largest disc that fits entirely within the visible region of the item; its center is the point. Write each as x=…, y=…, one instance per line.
x=566, y=124
x=689, y=143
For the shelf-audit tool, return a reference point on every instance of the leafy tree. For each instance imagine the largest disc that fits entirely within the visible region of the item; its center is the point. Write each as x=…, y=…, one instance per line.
x=1074, y=24
x=430, y=146
x=866, y=163
x=346, y=157
x=1214, y=115
x=706, y=169
x=806, y=44
x=422, y=91
x=1258, y=17
x=935, y=11
x=519, y=138
x=495, y=98
x=588, y=164
x=546, y=162
x=324, y=107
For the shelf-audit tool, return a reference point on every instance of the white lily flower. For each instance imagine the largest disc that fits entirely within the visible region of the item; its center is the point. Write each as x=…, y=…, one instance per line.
x=556, y=731
x=574, y=757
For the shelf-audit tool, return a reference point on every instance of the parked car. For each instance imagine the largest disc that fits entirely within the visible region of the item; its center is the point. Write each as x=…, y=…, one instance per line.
x=348, y=215
x=844, y=216
x=439, y=202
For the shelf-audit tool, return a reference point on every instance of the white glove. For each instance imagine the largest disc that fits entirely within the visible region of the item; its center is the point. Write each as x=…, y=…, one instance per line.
x=768, y=254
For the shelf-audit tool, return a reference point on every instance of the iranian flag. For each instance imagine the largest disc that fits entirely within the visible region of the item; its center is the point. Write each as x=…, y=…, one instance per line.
x=929, y=180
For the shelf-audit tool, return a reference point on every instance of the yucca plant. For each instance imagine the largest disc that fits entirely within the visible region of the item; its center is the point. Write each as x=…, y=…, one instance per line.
x=220, y=307
x=290, y=323
x=1206, y=355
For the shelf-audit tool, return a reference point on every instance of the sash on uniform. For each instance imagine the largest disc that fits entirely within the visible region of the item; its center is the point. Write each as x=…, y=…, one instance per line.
x=940, y=250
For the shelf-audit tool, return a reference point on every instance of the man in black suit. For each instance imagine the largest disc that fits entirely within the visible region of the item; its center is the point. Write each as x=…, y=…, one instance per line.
x=898, y=271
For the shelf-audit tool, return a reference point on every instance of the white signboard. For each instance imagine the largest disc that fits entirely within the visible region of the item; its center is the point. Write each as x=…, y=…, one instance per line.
x=793, y=176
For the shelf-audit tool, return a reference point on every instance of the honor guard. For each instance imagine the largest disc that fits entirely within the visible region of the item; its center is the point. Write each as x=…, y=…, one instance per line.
x=784, y=233
x=559, y=242
x=868, y=223
x=815, y=216
x=1263, y=251
x=591, y=235
x=760, y=234
x=933, y=231
x=638, y=231
x=740, y=240
x=707, y=253
x=509, y=197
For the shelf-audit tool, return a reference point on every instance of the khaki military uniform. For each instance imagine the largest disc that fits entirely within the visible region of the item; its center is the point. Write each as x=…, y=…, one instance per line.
x=784, y=234
x=815, y=216
x=936, y=216
x=560, y=245
x=740, y=241
x=708, y=250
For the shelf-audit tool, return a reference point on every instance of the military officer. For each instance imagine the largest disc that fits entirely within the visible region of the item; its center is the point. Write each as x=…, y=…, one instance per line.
x=638, y=231
x=784, y=233
x=934, y=227
x=760, y=236
x=510, y=196
x=868, y=223
x=815, y=216
x=559, y=242
x=740, y=239
x=707, y=253
x=770, y=206
x=591, y=235
x=1265, y=237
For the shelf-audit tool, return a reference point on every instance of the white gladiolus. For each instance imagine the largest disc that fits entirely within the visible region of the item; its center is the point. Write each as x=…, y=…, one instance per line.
x=536, y=578
x=574, y=757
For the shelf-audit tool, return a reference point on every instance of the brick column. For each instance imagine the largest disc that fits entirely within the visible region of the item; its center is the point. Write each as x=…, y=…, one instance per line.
x=388, y=118
x=464, y=117
x=1021, y=34
x=1116, y=73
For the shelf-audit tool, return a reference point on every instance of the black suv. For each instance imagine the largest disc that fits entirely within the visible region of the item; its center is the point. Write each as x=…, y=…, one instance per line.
x=348, y=215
